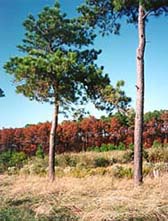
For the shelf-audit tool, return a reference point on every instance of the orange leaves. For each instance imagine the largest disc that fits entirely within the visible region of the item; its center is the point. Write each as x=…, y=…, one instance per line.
x=77, y=136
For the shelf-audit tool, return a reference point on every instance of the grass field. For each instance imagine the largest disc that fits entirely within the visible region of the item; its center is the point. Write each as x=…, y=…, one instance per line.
x=99, y=196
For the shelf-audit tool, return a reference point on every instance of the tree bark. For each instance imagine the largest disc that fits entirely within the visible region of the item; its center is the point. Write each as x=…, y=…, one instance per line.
x=52, y=142
x=138, y=133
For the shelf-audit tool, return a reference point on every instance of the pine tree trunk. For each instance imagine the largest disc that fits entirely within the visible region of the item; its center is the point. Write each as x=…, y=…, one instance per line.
x=52, y=143
x=138, y=133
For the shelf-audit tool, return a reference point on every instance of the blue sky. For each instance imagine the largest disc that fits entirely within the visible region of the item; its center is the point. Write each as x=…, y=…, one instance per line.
x=118, y=58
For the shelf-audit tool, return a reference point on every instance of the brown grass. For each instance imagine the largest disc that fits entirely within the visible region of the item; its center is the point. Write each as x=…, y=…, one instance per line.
x=91, y=198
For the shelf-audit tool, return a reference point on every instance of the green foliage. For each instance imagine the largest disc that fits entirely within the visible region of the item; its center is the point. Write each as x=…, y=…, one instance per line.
x=152, y=115
x=107, y=147
x=24, y=213
x=156, y=144
x=11, y=159
x=104, y=148
x=57, y=66
x=101, y=162
x=40, y=152
x=114, y=98
x=121, y=146
x=17, y=214
x=109, y=20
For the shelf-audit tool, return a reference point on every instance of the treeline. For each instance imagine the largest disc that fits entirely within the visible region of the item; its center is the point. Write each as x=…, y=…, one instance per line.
x=79, y=135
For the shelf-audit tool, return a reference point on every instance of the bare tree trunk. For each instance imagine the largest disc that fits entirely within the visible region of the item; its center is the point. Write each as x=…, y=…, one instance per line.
x=52, y=142
x=138, y=133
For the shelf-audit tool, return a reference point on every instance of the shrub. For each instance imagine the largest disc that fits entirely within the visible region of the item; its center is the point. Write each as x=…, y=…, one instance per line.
x=40, y=152
x=101, y=162
x=104, y=148
x=11, y=159
x=111, y=147
x=65, y=160
x=78, y=172
x=35, y=166
x=158, y=155
x=121, y=146
x=147, y=168
x=122, y=172
x=156, y=144
x=97, y=171
x=96, y=149
x=17, y=159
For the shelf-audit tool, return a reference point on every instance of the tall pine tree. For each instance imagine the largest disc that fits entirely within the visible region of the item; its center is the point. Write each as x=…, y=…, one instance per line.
x=57, y=67
x=107, y=15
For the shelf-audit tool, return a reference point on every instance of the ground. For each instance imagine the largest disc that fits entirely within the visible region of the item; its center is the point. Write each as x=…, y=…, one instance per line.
x=95, y=197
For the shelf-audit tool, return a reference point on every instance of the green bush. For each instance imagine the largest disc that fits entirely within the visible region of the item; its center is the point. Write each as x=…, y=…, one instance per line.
x=40, y=152
x=104, y=148
x=121, y=146
x=11, y=159
x=111, y=147
x=156, y=144
x=96, y=149
x=101, y=162
x=108, y=147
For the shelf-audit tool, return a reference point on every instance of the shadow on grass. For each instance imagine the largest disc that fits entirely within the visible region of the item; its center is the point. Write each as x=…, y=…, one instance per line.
x=26, y=214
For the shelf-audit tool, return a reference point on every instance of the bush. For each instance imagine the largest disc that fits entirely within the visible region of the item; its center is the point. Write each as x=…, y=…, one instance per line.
x=65, y=160
x=35, y=166
x=11, y=159
x=122, y=172
x=156, y=144
x=104, y=148
x=40, y=152
x=121, y=146
x=78, y=172
x=158, y=155
x=101, y=162
x=111, y=147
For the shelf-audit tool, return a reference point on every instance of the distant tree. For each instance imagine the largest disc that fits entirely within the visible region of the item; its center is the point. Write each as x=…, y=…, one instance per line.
x=57, y=67
x=1, y=93
x=107, y=15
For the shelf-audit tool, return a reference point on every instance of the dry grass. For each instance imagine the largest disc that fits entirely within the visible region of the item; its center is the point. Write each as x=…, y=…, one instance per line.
x=91, y=198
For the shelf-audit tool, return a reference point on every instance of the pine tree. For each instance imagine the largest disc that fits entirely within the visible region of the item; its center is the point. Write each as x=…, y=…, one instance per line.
x=107, y=15
x=57, y=68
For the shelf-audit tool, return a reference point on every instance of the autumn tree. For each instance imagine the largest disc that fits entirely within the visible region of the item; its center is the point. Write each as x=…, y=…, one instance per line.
x=107, y=15
x=57, y=67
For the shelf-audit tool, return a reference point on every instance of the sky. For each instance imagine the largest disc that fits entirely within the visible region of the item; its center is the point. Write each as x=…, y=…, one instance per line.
x=117, y=57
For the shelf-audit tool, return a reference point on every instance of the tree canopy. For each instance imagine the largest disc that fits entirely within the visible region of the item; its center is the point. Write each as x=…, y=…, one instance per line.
x=55, y=62
x=107, y=14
